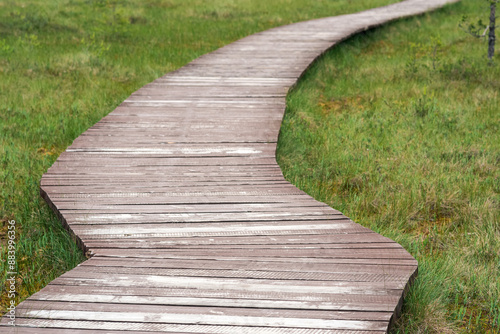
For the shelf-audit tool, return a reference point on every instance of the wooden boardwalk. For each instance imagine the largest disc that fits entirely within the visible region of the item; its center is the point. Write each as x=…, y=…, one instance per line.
x=191, y=226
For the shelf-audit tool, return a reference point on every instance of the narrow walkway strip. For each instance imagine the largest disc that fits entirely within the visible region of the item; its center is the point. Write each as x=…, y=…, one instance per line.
x=191, y=228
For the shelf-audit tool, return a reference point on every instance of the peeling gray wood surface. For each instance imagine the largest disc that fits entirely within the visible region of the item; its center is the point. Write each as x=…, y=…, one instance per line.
x=192, y=228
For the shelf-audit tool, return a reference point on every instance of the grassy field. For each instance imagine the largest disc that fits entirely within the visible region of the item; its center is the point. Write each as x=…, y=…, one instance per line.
x=396, y=129
x=399, y=128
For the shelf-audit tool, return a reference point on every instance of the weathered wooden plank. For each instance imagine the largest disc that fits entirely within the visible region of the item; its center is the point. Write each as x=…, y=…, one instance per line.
x=183, y=171
x=63, y=179
x=214, y=102
x=79, y=277
x=152, y=245
x=391, y=281
x=275, y=188
x=345, y=302
x=206, y=209
x=389, y=270
x=195, y=207
x=83, y=156
x=337, y=240
x=214, y=229
x=158, y=128
x=180, y=314
x=165, y=184
x=165, y=198
x=210, y=90
x=355, y=253
x=230, y=112
x=200, y=150
x=151, y=254
x=257, y=166
x=115, y=296
x=207, y=213
x=200, y=135
x=25, y=330
x=174, y=328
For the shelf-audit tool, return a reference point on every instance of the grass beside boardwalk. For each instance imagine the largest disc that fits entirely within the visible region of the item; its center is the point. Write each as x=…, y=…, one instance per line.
x=399, y=128
x=64, y=64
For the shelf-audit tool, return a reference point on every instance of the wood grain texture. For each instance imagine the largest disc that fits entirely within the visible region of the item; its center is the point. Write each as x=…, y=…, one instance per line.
x=192, y=228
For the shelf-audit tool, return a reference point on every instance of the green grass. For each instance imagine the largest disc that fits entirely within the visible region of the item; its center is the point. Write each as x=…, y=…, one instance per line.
x=406, y=141
x=400, y=139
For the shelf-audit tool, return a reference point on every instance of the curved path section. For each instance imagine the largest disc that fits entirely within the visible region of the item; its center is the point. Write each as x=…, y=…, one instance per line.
x=191, y=226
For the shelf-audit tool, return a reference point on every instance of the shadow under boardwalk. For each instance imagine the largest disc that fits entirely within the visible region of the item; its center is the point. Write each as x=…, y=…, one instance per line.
x=192, y=227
